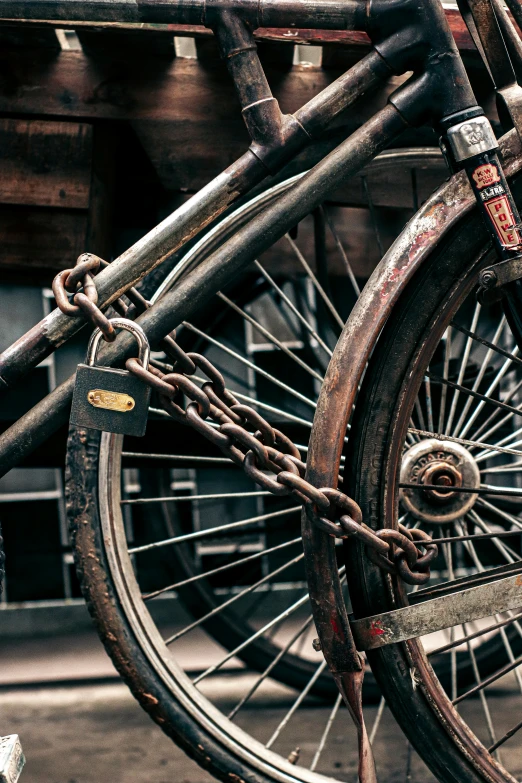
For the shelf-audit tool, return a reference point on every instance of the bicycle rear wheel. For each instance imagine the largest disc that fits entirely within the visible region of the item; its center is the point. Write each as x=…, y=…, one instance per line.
x=113, y=536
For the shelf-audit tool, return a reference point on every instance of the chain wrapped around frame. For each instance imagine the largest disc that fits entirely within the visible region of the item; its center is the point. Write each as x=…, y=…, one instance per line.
x=266, y=455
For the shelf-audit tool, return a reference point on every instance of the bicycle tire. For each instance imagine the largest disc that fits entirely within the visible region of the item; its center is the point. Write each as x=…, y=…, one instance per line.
x=122, y=627
x=445, y=742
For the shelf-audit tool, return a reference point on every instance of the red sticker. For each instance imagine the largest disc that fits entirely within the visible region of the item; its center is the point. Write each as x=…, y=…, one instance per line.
x=484, y=175
x=503, y=221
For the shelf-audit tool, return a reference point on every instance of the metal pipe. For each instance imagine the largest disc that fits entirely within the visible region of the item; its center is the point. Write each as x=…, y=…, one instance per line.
x=191, y=217
x=193, y=292
x=326, y=15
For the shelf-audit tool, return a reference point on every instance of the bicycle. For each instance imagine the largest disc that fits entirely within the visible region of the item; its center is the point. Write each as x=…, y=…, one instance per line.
x=405, y=38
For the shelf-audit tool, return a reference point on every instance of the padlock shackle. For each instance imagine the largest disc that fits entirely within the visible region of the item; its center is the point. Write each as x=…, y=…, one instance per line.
x=129, y=326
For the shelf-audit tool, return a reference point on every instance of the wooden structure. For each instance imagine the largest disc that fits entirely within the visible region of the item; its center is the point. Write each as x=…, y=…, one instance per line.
x=99, y=141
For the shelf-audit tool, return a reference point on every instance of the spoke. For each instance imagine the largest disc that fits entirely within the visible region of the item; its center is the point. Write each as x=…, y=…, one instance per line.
x=480, y=567
x=193, y=498
x=512, y=467
x=489, y=680
x=465, y=442
x=262, y=677
x=500, y=512
x=275, y=621
x=220, y=569
x=475, y=635
x=179, y=458
x=250, y=364
x=318, y=287
x=506, y=736
x=483, y=489
x=297, y=703
x=377, y=721
x=510, y=555
x=340, y=248
x=373, y=216
x=477, y=537
x=482, y=430
x=214, y=531
x=420, y=414
x=445, y=371
x=479, y=688
x=502, y=442
x=503, y=370
x=429, y=406
x=487, y=344
x=246, y=591
x=448, y=557
x=326, y=732
x=480, y=375
x=476, y=395
x=270, y=337
x=309, y=328
x=463, y=368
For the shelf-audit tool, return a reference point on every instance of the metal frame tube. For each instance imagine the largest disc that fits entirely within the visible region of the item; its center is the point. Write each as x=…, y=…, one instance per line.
x=326, y=15
x=191, y=217
x=193, y=291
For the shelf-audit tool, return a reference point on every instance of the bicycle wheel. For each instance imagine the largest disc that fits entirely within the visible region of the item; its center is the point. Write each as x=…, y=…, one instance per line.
x=440, y=403
x=238, y=548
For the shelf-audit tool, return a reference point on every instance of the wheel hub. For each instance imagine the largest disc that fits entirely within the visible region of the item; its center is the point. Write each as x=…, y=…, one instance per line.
x=446, y=465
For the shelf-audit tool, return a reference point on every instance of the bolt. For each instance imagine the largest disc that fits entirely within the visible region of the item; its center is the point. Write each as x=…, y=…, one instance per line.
x=316, y=644
x=488, y=278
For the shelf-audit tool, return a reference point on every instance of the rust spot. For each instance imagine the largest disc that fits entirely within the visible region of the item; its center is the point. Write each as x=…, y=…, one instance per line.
x=149, y=697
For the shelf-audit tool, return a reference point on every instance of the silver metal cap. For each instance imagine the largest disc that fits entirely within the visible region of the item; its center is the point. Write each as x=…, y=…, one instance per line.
x=472, y=137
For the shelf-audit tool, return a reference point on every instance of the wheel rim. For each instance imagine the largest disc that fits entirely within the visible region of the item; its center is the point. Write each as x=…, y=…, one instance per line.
x=415, y=450
x=123, y=574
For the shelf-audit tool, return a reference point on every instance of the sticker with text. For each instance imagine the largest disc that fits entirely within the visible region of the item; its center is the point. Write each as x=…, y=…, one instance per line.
x=503, y=221
x=486, y=175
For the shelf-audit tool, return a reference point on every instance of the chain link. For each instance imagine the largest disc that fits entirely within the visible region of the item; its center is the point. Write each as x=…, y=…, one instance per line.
x=266, y=455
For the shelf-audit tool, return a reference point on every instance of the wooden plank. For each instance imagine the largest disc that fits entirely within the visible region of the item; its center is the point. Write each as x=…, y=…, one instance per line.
x=194, y=128
x=296, y=36
x=45, y=163
x=40, y=240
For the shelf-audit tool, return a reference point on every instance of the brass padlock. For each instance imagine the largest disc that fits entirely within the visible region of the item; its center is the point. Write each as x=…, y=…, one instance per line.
x=109, y=399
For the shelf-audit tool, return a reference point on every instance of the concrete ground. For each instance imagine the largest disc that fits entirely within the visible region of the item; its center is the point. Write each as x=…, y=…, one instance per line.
x=79, y=724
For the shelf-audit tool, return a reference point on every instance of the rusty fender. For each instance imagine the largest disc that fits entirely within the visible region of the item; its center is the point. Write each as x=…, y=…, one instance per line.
x=426, y=229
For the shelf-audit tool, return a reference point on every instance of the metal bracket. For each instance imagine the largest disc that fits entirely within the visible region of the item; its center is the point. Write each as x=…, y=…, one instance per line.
x=502, y=273
x=446, y=611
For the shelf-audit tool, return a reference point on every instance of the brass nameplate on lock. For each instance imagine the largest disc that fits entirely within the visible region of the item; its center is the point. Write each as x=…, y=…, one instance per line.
x=112, y=401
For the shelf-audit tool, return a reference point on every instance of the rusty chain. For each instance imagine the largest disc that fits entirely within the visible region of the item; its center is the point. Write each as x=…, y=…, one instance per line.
x=266, y=455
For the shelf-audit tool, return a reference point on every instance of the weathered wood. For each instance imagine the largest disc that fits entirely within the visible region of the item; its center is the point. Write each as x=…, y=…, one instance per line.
x=294, y=35
x=197, y=129
x=45, y=163
x=37, y=239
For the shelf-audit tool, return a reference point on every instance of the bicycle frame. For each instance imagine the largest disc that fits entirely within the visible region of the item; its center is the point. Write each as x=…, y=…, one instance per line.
x=405, y=38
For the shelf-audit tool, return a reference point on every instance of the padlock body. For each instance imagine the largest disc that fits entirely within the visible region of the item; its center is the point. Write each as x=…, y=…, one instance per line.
x=111, y=400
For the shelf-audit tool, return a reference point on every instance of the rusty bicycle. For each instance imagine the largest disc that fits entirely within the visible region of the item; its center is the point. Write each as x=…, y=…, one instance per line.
x=424, y=375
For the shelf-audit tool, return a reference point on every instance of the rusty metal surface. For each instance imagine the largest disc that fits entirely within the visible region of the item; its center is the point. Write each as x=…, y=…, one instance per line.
x=184, y=223
x=337, y=397
x=449, y=610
